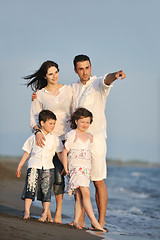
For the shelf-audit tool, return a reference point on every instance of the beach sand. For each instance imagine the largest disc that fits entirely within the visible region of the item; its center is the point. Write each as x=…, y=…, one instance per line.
x=12, y=225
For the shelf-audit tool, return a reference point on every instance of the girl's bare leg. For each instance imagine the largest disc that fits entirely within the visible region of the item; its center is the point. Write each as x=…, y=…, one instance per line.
x=88, y=208
x=46, y=205
x=28, y=203
x=78, y=209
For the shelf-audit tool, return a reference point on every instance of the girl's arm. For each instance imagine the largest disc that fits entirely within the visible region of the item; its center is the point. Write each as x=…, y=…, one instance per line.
x=59, y=154
x=65, y=160
x=21, y=163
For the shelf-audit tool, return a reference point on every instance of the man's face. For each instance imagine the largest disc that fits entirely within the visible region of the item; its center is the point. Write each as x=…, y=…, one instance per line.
x=83, y=69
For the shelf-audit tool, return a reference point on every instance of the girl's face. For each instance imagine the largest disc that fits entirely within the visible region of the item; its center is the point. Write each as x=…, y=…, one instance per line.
x=83, y=124
x=52, y=75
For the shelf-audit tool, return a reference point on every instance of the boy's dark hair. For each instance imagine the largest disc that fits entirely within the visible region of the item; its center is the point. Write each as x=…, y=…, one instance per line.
x=79, y=114
x=80, y=58
x=45, y=115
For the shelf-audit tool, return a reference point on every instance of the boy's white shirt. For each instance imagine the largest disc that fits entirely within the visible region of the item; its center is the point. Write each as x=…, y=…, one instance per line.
x=42, y=157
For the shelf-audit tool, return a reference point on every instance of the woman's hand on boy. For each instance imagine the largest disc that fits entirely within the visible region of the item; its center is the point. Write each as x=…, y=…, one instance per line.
x=40, y=138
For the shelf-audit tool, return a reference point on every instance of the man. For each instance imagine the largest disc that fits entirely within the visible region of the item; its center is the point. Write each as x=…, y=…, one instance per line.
x=91, y=92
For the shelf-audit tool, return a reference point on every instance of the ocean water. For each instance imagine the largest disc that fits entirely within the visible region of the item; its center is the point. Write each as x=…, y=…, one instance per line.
x=133, y=210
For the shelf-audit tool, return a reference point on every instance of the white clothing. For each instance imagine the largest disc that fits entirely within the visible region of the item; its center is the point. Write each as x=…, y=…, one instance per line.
x=98, y=153
x=42, y=157
x=93, y=96
x=60, y=105
x=79, y=161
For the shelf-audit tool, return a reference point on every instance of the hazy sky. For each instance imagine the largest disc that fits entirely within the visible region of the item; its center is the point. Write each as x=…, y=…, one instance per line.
x=116, y=34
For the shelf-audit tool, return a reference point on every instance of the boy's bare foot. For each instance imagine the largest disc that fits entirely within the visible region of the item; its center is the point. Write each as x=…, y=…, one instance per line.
x=49, y=217
x=26, y=216
x=43, y=218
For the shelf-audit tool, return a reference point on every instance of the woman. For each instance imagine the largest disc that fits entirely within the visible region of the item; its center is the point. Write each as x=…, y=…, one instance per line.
x=57, y=98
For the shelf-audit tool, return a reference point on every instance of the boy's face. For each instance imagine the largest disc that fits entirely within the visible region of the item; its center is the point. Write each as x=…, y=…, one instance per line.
x=48, y=126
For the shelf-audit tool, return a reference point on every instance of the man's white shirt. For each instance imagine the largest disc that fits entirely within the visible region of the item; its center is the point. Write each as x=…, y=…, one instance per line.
x=93, y=96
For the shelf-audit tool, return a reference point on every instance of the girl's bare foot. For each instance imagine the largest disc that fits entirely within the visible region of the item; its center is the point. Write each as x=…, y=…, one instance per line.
x=72, y=224
x=98, y=227
x=77, y=225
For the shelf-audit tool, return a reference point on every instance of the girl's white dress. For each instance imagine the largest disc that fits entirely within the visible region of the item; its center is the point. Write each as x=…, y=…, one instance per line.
x=79, y=162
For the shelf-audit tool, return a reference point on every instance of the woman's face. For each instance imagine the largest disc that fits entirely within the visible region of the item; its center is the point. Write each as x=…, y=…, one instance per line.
x=52, y=75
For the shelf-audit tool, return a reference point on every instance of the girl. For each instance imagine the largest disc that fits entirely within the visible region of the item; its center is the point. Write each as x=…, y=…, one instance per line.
x=57, y=98
x=78, y=164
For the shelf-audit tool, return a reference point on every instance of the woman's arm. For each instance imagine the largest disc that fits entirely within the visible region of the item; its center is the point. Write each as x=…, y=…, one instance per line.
x=36, y=108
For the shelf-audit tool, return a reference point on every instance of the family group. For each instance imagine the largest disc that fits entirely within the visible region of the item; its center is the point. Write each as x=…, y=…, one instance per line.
x=69, y=138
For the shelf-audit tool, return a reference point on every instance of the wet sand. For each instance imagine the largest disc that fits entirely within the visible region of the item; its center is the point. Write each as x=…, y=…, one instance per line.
x=12, y=225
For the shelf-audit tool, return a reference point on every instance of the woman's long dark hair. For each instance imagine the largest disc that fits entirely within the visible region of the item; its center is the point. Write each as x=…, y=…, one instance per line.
x=38, y=80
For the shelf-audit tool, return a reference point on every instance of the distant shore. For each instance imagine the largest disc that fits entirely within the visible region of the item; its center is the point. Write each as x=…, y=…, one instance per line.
x=110, y=162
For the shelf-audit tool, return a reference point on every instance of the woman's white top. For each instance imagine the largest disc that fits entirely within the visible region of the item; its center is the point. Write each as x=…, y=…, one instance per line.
x=60, y=105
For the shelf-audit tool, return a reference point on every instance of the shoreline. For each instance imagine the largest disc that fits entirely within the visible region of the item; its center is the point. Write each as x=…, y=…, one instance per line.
x=12, y=224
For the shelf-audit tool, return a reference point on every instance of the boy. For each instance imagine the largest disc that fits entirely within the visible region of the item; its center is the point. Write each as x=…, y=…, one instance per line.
x=40, y=165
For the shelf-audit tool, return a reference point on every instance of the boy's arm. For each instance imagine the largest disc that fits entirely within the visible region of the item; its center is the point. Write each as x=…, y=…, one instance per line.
x=111, y=77
x=21, y=163
x=65, y=160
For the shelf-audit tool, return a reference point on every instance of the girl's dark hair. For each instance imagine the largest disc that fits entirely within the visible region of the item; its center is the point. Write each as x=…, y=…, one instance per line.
x=38, y=80
x=45, y=115
x=78, y=114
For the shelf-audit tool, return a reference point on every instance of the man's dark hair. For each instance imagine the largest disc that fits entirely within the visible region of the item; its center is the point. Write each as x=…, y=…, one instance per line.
x=80, y=58
x=45, y=115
